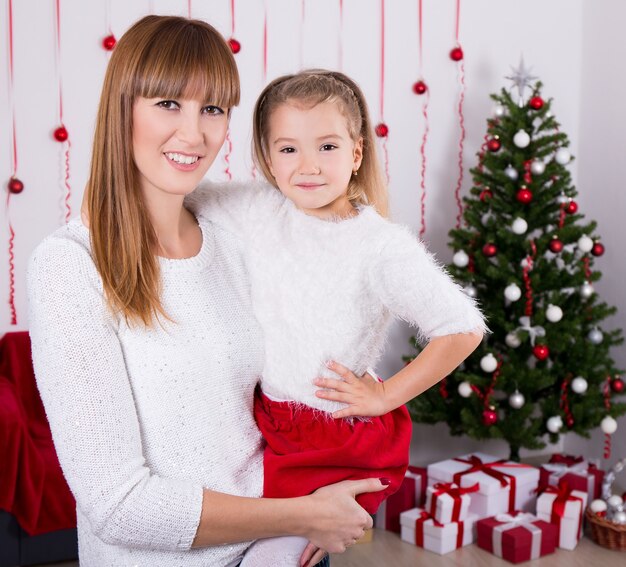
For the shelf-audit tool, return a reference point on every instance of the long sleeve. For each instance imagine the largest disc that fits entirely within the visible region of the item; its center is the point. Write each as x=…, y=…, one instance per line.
x=414, y=287
x=83, y=381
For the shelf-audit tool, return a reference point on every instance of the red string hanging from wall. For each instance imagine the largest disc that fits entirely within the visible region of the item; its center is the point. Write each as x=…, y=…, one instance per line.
x=340, y=38
x=109, y=41
x=381, y=129
x=457, y=55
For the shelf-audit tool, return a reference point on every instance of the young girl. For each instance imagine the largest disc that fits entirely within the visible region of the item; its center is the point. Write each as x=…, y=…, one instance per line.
x=328, y=272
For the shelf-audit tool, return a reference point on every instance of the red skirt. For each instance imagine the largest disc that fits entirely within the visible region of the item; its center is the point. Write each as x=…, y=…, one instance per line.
x=307, y=449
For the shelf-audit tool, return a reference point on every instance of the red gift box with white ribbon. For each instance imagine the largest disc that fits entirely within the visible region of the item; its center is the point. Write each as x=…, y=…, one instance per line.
x=411, y=494
x=516, y=537
x=580, y=475
x=447, y=502
x=563, y=507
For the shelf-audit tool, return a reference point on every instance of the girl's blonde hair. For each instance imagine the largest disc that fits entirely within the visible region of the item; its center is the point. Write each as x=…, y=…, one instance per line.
x=313, y=87
x=159, y=56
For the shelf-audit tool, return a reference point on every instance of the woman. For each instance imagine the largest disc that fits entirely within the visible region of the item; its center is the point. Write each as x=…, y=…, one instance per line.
x=144, y=344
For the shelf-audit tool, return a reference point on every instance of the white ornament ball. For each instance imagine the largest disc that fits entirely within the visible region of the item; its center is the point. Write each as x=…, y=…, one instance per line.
x=554, y=313
x=511, y=172
x=512, y=340
x=608, y=425
x=517, y=400
x=585, y=244
x=586, y=290
x=615, y=501
x=498, y=111
x=595, y=336
x=512, y=292
x=562, y=199
x=521, y=139
x=470, y=291
x=460, y=259
x=519, y=226
x=485, y=219
x=465, y=390
x=579, y=385
x=525, y=264
x=537, y=167
x=598, y=506
x=554, y=424
x=562, y=156
x=619, y=518
x=488, y=363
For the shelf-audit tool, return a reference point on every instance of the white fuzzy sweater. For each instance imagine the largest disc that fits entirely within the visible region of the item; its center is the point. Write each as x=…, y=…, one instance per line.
x=142, y=420
x=326, y=290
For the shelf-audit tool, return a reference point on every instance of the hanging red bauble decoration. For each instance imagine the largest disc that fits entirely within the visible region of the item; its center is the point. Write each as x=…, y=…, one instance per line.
x=15, y=186
x=420, y=87
x=536, y=103
x=382, y=130
x=571, y=207
x=490, y=417
x=485, y=194
x=490, y=250
x=60, y=134
x=555, y=245
x=598, y=249
x=235, y=46
x=456, y=54
x=541, y=352
x=524, y=195
x=569, y=421
x=109, y=42
x=494, y=144
x=617, y=385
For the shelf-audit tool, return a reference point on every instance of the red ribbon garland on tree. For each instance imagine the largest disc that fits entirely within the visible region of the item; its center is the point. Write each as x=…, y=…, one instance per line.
x=607, y=405
x=564, y=404
x=485, y=396
x=457, y=55
x=528, y=311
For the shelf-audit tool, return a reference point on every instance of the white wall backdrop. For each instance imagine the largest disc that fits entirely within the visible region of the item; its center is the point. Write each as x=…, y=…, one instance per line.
x=573, y=46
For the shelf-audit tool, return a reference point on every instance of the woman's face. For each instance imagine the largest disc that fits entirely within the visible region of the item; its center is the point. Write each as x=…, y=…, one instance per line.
x=175, y=142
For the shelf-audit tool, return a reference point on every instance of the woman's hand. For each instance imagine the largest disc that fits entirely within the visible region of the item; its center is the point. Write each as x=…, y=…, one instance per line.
x=365, y=396
x=337, y=521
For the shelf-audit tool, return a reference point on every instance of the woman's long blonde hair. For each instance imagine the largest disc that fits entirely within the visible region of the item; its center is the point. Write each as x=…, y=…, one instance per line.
x=159, y=56
x=312, y=87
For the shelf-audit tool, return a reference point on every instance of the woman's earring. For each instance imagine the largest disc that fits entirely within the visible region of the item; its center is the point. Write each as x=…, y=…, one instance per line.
x=355, y=172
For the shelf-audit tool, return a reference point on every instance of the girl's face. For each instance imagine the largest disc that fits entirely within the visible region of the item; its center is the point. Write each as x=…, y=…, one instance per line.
x=312, y=156
x=175, y=142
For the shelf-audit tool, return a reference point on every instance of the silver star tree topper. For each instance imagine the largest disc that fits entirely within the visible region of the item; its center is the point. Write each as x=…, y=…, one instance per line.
x=521, y=79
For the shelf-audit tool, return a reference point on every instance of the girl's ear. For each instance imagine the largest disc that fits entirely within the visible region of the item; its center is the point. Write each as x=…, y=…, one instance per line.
x=358, y=153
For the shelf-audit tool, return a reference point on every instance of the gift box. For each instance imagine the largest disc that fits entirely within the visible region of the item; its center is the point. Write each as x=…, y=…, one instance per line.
x=504, y=486
x=419, y=528
x=563, y=507
x=410, y=495
x=579, y=474
x=447, y=502
x=516, y=537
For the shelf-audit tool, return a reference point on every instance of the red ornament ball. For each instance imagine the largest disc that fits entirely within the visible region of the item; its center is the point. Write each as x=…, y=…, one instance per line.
x=420, y=87
x=555, y=245
x=569, y=421
x=109, y=42
x=598, y=249
x=536, y=103
x=15, y=186
x=494, y=144
x=456, y=54
x=541, y=352
x=381, y=130
x=571, y=207
x=60, y=134
x=617, y=385
x=490, y=417
x=490, y=249
x=486, y=194
x=524, y=195
x=235, y=46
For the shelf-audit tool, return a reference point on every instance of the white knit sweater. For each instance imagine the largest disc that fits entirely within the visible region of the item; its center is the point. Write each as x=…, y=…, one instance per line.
x=142, y=420
x=326, y=290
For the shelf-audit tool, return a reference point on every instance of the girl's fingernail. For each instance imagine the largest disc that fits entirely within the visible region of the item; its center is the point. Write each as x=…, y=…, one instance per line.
x=384, y=481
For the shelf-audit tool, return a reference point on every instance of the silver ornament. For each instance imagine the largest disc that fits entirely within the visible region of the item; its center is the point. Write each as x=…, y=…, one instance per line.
x=512, y=292
x=465, y=389
x=619, y=518
x=554, y=424
x=521, y=139
x=460, y=259
x=470, y=291
x=562, y=156
x=511, y=172
x=586, y=290
x=486, y=218
x=595, y=336
x=512, y=340
x=517, y=400
x=537, y=167
x=519, y=226
x=498, y=111
x=521, y=78
x=579, y=385
x=554, y=313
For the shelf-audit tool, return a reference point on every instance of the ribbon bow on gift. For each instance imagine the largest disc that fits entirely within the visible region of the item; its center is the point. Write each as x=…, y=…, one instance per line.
x=563, y=495
x=508, y=522
x=455, y=492
x=425, y=517
x=569, y=460
x=533, y=332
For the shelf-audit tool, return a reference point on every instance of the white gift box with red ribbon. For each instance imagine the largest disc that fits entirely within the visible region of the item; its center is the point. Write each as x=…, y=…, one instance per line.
x=447, y=502
x=409, y=495
x=563, y=507
x=583, y=476
x=504, y=486
x=420, y=529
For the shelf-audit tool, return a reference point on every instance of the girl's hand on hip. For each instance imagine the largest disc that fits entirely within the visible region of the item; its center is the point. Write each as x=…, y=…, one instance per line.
x=364, y=396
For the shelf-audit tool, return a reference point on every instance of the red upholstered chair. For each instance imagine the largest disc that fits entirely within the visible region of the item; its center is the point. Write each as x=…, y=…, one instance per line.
x=37, y=510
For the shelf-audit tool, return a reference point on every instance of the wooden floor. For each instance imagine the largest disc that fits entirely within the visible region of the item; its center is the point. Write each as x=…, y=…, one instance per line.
x=387, y=550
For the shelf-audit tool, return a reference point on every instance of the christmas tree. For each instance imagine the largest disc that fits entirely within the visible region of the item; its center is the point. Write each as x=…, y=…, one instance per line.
x=526, y=254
